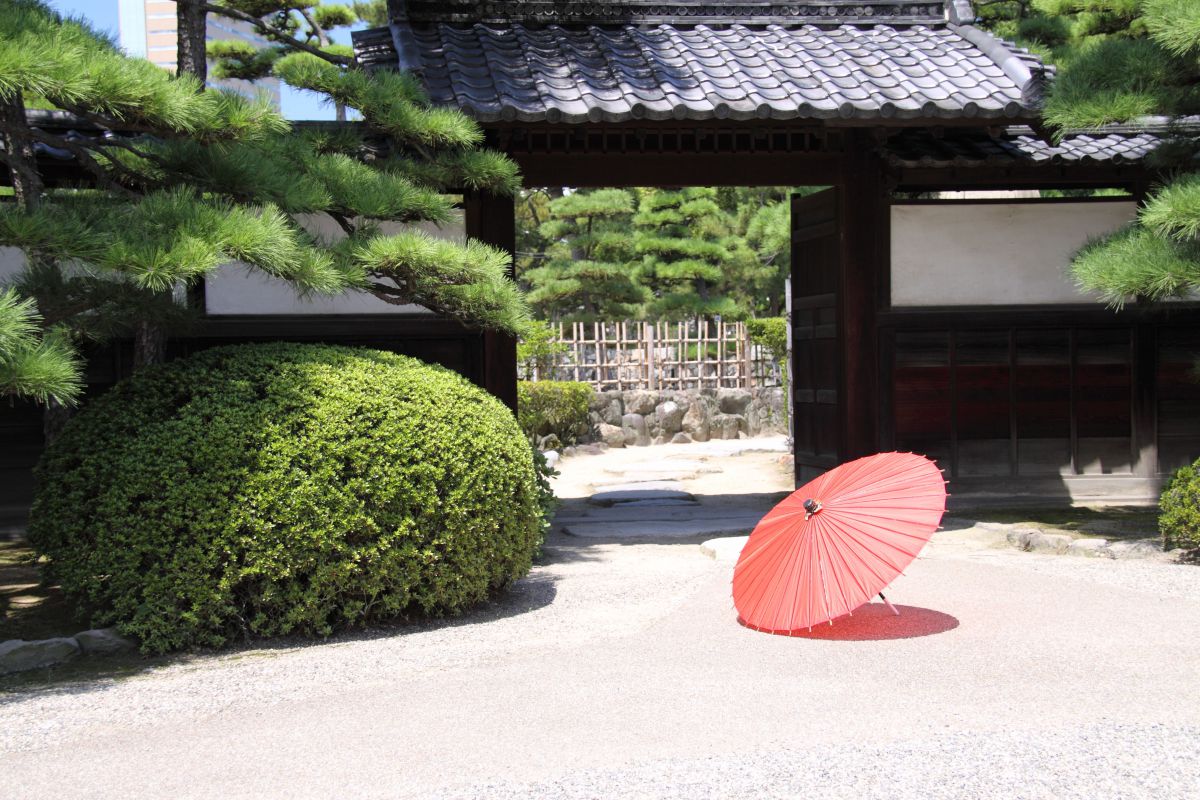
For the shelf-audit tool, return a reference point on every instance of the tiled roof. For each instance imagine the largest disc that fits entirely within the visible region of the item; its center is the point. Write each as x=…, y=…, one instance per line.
x=678, y=12
x=1116, y=144
x=926, y=68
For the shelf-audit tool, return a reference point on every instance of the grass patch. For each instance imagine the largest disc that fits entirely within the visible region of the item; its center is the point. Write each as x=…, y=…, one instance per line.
x=1103, y=522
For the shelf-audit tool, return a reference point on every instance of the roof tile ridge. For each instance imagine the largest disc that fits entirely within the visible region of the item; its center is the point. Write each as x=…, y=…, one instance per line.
x=607, y=108
x=407, y=51
x=960, y=12
x=644, y=37
x=1021, y=67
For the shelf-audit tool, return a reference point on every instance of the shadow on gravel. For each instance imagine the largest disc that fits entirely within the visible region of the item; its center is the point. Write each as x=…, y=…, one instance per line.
x=874, y=622
x=96, y=673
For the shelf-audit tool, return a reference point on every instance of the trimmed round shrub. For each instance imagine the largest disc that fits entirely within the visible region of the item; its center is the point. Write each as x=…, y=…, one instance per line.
x=264, y=490
x=1179, y=510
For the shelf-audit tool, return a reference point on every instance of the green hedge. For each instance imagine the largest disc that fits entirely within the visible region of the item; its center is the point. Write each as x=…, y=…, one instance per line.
x=558, y=407
x=771, y=333
x=263, y=490
x=1179, y=510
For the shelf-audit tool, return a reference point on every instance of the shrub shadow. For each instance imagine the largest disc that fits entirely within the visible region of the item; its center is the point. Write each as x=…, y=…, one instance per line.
x=874, y=623
x=94, y=673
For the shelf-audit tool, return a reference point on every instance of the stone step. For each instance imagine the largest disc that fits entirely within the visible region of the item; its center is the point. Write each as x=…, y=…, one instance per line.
x=635, y=477
x=661, y=528
x=648, y=490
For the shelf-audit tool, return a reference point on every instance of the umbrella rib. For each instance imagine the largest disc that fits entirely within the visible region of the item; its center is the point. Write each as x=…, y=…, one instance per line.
x=849, y=535
x=920, y=468
x=821, y=542
x=838, y=547
x=850, y=517
x=865, y=534
x=765, y=599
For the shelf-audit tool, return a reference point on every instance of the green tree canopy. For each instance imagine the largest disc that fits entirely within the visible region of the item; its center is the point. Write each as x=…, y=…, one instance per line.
x=588, y=272
x=186, y=179
x=686, y=244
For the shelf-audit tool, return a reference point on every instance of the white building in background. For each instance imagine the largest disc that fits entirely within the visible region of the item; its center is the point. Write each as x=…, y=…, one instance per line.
x=148, y=30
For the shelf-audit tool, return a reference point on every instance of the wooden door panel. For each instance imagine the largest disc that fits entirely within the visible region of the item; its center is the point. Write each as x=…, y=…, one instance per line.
x=816, y=365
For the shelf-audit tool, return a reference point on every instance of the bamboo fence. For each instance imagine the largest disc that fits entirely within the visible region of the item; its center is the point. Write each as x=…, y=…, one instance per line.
x=660, y=355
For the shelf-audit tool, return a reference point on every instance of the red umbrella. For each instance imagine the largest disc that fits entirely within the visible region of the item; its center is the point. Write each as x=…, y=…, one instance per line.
x=837, y=541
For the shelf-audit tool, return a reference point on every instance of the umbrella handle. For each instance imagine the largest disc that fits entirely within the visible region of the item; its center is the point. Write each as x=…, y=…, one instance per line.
x=887, y=603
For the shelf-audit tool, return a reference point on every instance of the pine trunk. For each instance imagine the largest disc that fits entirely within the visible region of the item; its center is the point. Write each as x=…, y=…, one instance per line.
x=18, y=146
x=191, y=56
x=150, y=338
x=27, y=191
x=149, y=344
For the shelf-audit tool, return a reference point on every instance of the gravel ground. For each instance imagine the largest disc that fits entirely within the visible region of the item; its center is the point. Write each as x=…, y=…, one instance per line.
x=618, y=670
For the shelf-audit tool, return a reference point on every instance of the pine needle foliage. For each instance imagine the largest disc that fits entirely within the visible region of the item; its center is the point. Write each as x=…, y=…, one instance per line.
x=187, y=179
x=405, y=162
x=34, y=364
x=1123, y=61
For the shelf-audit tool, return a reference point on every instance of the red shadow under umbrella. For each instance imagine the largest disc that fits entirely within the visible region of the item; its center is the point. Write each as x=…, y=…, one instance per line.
x=838, y=541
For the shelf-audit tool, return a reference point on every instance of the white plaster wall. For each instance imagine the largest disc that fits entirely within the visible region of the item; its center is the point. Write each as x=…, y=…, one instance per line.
x=237, y=289
x=995, y=253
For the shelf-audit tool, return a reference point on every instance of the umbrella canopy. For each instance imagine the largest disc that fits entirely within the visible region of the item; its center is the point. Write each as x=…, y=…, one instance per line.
x=836, y=542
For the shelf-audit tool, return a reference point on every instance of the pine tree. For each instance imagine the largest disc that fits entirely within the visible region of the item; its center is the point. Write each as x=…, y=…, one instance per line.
x=588, y=271
x=32, y=365
x=295, y=27
x=187, y=179
x=686, y=246
x=1121, y=60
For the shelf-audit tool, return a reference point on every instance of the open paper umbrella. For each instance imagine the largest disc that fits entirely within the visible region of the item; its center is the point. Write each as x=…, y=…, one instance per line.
x=836, y=542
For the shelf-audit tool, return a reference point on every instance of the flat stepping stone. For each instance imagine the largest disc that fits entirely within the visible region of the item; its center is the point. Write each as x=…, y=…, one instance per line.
x=666, y=465
x=637, y=476
x=660, y=528
x=650, y=490
x=659, y=503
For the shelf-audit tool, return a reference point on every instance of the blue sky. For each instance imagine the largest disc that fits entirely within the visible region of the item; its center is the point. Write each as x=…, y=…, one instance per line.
x=103, y=16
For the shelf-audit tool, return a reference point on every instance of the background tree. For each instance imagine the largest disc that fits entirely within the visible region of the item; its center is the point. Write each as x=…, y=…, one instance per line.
x=187, y=179
x=686, y=245
x=588, y=272
x=531, y=209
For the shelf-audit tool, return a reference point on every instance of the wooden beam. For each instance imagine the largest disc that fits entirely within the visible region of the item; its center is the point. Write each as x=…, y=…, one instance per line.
x=682, y=169
x=1001, y=178
x=491, y=219
x=864, y=233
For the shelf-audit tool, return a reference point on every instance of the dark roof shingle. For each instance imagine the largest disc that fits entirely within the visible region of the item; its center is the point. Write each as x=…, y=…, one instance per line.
x=530, y=72
x=1020, y=144
x=558, y=74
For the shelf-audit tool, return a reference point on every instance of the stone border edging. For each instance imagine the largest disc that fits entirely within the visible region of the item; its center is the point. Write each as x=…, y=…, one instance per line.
x=20, y=655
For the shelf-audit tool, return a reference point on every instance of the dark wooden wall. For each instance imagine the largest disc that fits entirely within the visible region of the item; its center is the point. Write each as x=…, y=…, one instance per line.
x=1044, y=392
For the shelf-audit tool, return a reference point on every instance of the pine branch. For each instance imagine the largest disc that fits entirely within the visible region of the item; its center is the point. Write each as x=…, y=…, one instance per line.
x=279, y=36
x=99, y=172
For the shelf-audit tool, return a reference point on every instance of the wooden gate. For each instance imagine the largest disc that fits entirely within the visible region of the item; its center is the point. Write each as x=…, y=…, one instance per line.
x=816, y=367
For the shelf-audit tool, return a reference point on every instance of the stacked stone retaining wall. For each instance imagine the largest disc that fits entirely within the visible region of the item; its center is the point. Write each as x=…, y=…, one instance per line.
x=642, y=417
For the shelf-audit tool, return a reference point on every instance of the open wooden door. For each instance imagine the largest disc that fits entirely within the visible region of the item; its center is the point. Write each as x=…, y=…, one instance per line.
x=816, y=355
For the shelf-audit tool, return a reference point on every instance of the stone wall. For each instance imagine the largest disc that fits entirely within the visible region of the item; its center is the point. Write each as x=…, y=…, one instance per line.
x=640, y=417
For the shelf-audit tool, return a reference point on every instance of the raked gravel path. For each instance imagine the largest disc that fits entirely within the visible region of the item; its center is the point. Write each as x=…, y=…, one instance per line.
x=616, y=669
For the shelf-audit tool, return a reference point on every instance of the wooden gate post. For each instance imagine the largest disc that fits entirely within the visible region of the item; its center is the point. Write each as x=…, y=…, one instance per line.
x=491, y=219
